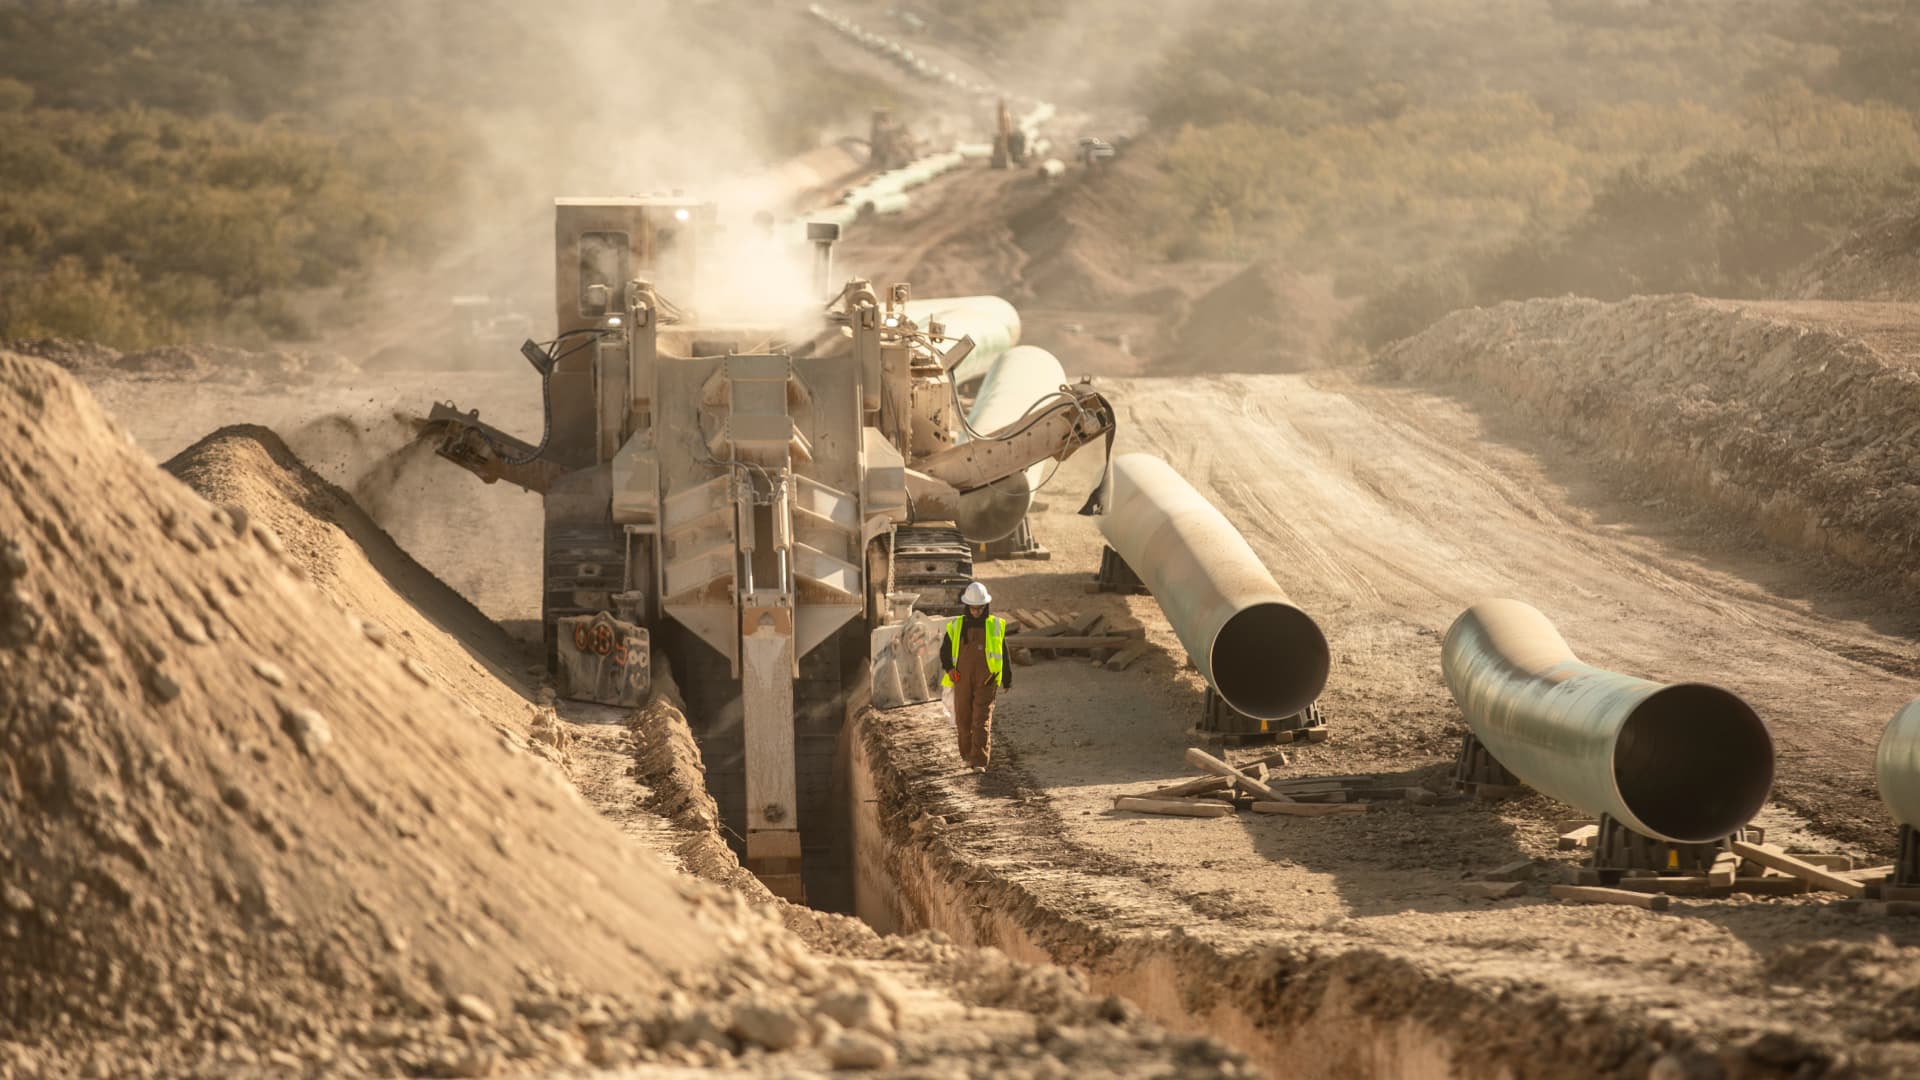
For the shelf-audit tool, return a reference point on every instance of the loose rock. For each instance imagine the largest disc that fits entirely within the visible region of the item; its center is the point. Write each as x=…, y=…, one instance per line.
x=860, y=1050
x=308, y=728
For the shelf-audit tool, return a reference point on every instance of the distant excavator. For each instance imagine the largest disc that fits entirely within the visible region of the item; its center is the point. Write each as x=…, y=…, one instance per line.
x=776, y=505
x=889, y=144
x=1009, y=140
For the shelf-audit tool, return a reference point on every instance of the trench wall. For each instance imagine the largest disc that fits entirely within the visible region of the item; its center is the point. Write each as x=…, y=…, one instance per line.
x=1300, y=1008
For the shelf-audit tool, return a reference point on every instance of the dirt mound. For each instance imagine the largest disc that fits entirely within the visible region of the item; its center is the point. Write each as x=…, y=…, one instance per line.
x=1265, y=318
x=183, y=361
x=1797, y=416
x=229, y=816
x=1879, y=262
x=325, y=531
x=77, y=356
x=1082, y=240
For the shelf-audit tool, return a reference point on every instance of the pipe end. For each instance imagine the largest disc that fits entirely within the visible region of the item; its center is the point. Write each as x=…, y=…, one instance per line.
x=1269, y=661
x=1693, y=763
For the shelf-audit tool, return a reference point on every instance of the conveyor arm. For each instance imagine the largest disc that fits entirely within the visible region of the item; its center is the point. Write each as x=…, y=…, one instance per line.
x=1055, y=430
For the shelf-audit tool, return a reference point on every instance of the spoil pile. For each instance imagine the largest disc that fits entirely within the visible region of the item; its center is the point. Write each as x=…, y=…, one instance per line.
x=397, y=602
x=1264, y=318
x=182, y=361
x=230, y=818
x=1881, y=261
x=1081, y=239
x=1797, y=417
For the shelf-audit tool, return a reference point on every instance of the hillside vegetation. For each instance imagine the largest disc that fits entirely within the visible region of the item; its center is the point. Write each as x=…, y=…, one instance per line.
x=194, y=168
x=1432, y=155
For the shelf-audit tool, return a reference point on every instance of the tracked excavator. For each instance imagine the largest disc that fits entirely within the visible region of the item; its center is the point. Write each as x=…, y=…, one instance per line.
x=783, y=510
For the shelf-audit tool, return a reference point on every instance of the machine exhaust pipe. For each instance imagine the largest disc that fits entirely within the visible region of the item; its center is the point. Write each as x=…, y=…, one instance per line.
x=1683, y=762
x=1019, y=379
x=823, y=235
x=1897, y=765
x=1264, y=656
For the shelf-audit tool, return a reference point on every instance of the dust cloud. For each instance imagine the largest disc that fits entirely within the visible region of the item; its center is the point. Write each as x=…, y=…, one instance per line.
x=587, y=98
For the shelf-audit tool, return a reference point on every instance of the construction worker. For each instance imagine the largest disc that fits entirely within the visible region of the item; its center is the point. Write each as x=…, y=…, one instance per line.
x=974, y=659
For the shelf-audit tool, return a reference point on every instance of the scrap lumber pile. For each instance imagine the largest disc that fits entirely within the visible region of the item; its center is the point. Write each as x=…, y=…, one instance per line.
x=1253, y=786
x=1112, y=642
x=1748, y=865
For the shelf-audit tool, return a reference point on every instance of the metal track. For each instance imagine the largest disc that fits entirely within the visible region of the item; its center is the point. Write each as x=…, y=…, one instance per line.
x=934, y=561
x=585, y=567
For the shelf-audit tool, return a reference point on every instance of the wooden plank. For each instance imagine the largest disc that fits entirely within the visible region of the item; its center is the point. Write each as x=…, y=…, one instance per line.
x=1173, y=807
x=1678, y=884
x=1595, y=894
x=1064, y=641
x=1493, y=890
x=1081, y=625
x=1775, y=859
x=1201, y=759
x=1124, y=659
x=1337, y=795
x=1124, y=628
x=1278, y=757
x=1725, y=866
x=1771, y=885
x=1520, y=870
x=1582, y=837
x=1294, y=809
x=1296, y=789
x=1382, y=793
x=1840, y=863
x=1871, y=873
x=1567, y=825
x=1191, y=787
x=1343, y=781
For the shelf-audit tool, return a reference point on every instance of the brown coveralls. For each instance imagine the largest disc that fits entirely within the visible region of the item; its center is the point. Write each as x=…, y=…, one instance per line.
x=973, y=693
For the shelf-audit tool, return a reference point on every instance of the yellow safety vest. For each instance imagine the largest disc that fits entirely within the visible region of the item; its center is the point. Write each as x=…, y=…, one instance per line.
x=996, y=646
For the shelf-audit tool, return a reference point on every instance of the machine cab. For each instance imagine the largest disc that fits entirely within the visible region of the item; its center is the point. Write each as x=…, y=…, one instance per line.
x=601, y=244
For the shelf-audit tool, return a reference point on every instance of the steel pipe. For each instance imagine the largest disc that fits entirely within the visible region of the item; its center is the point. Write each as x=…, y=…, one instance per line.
x=1020, y=378
x=884, y=205
x=1264, y=656
x=1683, y=762
x=1897, y=765
x=991, y=322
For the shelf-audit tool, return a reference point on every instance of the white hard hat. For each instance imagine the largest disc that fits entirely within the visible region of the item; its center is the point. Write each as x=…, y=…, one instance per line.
x=976, y=596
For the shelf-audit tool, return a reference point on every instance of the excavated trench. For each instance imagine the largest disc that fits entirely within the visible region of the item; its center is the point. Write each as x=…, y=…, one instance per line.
x=1291, y=1008
x=906, y=880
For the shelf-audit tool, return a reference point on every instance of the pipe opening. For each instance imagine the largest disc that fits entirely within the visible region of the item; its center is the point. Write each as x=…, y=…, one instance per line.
x=1270, y=661
x=1693, y=762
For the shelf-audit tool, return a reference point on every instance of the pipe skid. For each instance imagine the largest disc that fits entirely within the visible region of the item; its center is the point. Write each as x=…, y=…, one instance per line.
x=1683, y=762
x=1020, y=378
x=1263, y=655
x=1897, y=765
